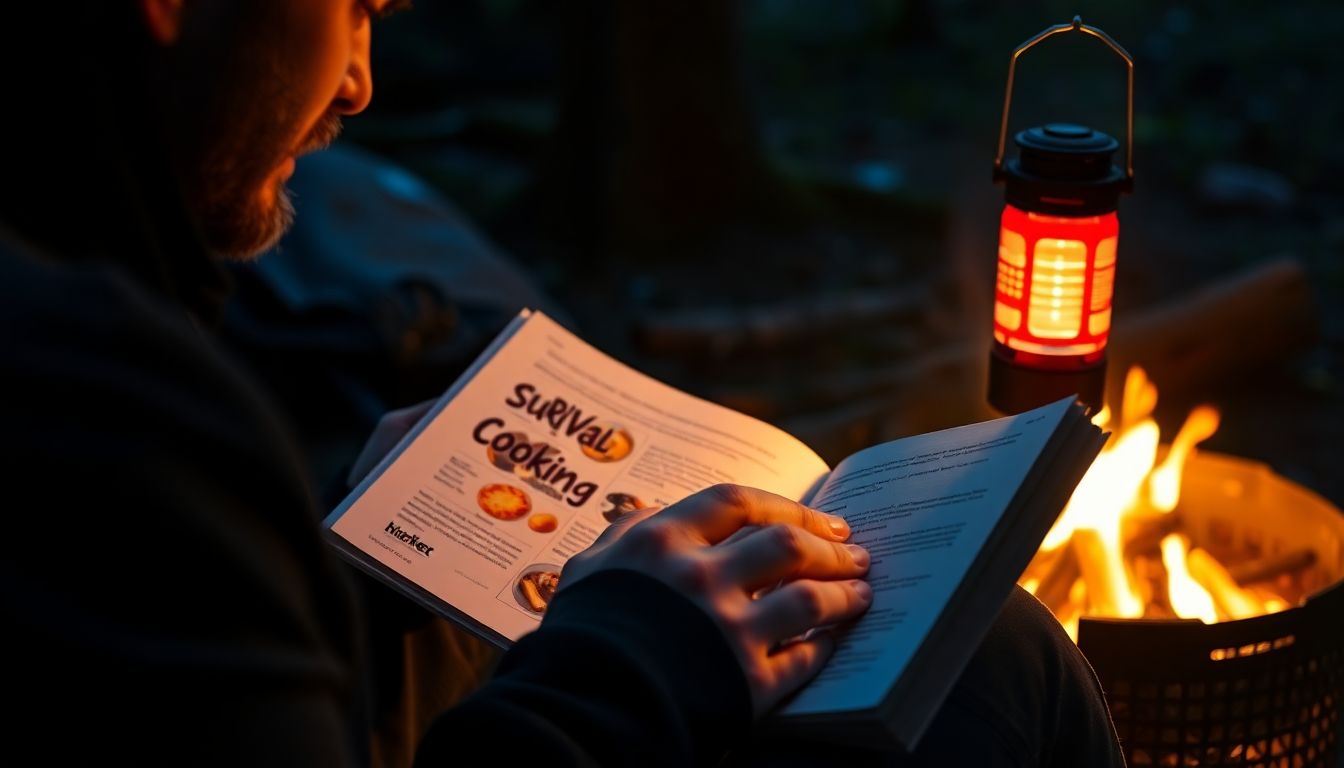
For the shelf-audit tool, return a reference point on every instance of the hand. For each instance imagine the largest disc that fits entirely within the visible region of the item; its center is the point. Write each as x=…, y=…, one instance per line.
x=391, y=428
x=697, y=546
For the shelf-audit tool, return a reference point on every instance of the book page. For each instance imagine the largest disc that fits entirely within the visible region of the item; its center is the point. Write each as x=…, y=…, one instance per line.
x=525, y=464
x=923, y=507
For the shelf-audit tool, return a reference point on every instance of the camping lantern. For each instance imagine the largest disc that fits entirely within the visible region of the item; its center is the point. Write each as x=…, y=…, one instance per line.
x=1057, y=246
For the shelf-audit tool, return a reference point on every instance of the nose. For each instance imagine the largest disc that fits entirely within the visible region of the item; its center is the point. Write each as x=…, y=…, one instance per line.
x=356, y=89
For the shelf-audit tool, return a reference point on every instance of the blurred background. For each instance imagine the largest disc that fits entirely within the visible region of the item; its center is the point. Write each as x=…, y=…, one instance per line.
x=786, y=207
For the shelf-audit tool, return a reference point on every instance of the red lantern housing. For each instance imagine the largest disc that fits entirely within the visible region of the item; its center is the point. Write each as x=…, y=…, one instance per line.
x=1057, y=256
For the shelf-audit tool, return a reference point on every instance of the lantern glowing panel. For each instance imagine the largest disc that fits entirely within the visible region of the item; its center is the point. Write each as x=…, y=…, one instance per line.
x=1052, y=297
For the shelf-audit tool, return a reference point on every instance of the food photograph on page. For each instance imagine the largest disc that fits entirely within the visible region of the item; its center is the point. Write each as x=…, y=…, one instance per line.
x=614, y=444
x=503, y=501
x=619, y=505
x=536, y=586
x=543, y=522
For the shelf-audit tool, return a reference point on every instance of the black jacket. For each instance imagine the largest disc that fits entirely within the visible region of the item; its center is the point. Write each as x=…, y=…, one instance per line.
x=169, y=599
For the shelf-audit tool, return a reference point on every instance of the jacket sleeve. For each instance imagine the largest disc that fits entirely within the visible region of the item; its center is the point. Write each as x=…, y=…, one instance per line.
x=623, y=671
x=167, y=596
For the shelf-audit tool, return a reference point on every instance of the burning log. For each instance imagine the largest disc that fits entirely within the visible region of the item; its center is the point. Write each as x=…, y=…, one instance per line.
x=1273, y=566
x=1041, y=563
x=1108, y=591
x=1272, y=601
x=1054, y=586
x=1071, y=610
x=1143, y=532
x=1150, y=582
x=1228, y=597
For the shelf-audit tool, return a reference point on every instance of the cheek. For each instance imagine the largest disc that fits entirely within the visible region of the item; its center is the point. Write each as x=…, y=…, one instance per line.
x=323, y=51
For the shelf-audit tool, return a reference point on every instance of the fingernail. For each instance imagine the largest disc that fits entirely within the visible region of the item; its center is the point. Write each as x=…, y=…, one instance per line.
x=859, y=554
x=862, y=589
x=838, y=526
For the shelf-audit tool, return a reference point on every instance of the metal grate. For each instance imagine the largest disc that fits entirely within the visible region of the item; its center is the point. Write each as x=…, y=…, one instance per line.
x=1264, y=691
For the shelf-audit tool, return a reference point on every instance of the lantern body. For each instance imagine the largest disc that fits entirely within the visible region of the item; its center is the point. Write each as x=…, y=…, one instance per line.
x=1056, y=268
x=1052, y=298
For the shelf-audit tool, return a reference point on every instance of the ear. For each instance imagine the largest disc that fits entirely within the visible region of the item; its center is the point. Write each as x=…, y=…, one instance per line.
x=163, y=19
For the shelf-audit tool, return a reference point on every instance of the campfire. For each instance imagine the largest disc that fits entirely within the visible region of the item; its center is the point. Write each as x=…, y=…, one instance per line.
x=1206, y=591
x=1120, y=550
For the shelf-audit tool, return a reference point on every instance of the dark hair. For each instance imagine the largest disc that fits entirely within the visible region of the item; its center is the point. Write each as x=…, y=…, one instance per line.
x=86, y=177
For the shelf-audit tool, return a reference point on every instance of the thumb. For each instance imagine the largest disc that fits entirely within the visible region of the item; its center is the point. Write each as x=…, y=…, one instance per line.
x=391, y=428
x=403, y=419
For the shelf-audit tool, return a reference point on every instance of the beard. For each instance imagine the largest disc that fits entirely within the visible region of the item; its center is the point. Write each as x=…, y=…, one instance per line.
x=235, y=116
x=241, y=203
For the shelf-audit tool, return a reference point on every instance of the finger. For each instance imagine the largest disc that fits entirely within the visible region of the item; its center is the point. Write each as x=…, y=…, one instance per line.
x=792, y=666
x=786, y=552
x=717, y=512
x=799, y=606
x=738, y=535
x=391, y=428
x=405, y=418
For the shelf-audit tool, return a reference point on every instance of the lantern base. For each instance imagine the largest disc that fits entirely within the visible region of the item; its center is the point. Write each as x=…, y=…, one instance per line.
x=1014, y=388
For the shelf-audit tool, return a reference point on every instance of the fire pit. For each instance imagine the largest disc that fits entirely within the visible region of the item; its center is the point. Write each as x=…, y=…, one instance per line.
x=1208, y=594
x=1261, y=691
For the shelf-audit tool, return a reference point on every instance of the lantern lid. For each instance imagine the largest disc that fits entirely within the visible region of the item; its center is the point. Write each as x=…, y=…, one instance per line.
x=1064, y=169
x=1065, y=151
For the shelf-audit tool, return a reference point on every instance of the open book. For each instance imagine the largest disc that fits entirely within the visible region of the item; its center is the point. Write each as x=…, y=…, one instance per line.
x=545, y=441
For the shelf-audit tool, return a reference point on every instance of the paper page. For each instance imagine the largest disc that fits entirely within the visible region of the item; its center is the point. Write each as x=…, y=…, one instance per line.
x=546, y=445
x=923, y=507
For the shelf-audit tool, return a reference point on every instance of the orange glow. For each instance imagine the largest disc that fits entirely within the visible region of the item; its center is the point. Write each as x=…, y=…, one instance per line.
x=1055, y=279
x=1164, y=485
x=1188, y=599
x=1056, y=305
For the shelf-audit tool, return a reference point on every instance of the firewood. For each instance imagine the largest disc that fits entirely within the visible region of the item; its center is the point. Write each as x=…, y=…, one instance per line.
x=1144, y=532
x=1271, y=567
x=1230, y=599
x=1107, y=588
x=1059, y=578
x=1072, y=609
x=1150, y=577
x=1042, y=561
x=1271, y=600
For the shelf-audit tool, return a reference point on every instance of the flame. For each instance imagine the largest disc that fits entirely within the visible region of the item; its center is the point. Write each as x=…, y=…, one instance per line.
x=1164, y=485
x=1125, y=483
x=1110, y=488
x=1188, y=599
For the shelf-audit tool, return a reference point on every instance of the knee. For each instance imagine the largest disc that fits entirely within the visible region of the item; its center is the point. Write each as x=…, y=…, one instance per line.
x=1027, y=652
x=1027, y=629
x=1029, y=673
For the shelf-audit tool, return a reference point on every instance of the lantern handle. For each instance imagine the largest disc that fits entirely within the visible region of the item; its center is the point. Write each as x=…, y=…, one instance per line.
x=1076, y=26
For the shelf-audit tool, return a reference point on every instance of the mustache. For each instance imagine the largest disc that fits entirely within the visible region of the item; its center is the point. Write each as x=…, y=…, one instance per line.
x=322, y=135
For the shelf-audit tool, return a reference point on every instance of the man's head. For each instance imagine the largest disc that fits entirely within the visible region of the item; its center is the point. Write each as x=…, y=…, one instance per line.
x=241, y=88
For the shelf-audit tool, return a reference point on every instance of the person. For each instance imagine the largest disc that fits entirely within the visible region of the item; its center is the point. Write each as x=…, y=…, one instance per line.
x=168, y=597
